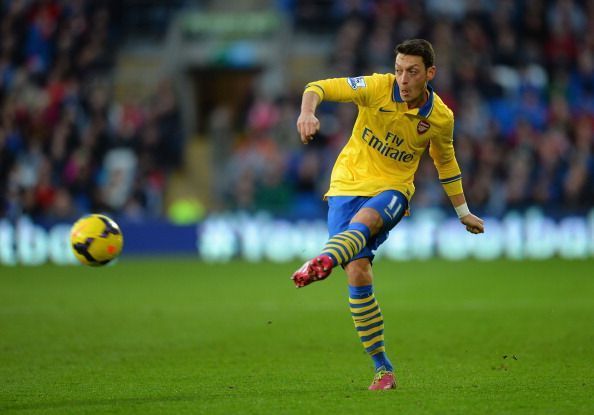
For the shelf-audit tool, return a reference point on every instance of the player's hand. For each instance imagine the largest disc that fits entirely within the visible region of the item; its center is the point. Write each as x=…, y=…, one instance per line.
x=473, y=224
x=307, y=125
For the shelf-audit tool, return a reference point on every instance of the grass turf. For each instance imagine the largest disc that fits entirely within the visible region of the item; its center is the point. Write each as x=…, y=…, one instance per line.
x=183, y=337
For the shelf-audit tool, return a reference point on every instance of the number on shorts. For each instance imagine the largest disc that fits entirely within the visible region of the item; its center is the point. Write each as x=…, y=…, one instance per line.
x=391, y=206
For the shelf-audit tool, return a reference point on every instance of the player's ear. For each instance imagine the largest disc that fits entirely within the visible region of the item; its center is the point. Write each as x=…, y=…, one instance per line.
x=431, y=73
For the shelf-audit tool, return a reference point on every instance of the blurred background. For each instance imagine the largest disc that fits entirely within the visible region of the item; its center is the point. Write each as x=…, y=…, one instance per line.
x=177, y=118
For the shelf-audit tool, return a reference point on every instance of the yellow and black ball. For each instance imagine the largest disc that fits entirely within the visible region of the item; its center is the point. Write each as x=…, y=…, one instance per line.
x=96, y=240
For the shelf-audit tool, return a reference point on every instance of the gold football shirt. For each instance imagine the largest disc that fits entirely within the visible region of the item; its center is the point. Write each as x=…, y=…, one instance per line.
x=388, y=139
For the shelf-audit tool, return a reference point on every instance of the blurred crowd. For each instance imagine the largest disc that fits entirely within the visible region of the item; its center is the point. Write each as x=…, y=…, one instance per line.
x=519, y=76
x=66, y=147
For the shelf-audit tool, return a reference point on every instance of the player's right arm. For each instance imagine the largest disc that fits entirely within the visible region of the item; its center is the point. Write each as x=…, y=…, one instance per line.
x=360, y=90
x=307, y=123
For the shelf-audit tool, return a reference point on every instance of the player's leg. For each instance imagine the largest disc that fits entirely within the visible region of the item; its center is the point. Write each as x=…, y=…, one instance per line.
x=339, y=250
x=377, y=214
x=375, y=217
x=347, y=238
x=341, y=210
x=369, y=321
x=384, y=211
x=369, y=216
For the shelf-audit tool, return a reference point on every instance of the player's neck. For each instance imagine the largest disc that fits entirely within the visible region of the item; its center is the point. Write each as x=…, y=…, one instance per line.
x=419, y=102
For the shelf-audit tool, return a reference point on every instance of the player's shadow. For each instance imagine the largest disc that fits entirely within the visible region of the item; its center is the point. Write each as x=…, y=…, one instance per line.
x=116, y=402
x=99, y=402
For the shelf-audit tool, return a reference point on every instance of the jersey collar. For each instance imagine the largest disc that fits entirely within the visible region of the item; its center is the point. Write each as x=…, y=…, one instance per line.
x=427, y=107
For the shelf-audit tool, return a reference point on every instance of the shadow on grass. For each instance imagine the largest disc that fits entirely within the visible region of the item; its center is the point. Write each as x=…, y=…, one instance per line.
x=231, y=392
x=99, y=402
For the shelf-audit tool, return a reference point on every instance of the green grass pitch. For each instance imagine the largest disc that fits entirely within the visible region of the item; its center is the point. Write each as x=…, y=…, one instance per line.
x=167, y=336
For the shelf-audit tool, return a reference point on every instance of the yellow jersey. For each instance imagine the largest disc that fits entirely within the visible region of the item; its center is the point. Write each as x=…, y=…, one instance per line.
x=388, y=138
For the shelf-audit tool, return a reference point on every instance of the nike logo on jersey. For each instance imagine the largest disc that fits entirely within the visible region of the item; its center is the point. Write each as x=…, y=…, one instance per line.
x=382, y=109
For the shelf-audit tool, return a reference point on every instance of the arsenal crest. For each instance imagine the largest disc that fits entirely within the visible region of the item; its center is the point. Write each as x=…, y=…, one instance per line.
x=423, y=126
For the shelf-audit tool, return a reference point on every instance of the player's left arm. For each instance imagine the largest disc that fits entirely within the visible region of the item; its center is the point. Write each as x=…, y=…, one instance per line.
x=441, y=149
x=473, y=223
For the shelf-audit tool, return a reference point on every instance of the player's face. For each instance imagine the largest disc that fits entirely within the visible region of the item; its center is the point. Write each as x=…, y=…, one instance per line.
x=412, y=77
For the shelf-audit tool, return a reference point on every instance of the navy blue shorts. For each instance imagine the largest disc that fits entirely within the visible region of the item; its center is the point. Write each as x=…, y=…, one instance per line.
x=391, y=205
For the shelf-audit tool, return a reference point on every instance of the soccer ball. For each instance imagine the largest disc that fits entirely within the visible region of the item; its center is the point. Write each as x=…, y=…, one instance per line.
x=96, y=240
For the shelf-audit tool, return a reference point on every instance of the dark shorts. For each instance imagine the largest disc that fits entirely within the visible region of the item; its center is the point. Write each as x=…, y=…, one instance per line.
x=391, y=205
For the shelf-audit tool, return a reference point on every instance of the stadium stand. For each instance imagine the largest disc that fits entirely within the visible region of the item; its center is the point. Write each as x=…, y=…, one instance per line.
x=519, y=76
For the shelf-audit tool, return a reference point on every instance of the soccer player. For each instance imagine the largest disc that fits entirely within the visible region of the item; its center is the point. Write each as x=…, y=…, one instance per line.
x=372, y=180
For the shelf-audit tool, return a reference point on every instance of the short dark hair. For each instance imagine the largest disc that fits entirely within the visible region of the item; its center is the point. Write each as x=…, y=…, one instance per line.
x=417, y=47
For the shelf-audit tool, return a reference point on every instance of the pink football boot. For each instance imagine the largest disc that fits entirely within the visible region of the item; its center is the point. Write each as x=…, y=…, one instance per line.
x=313, y=270
x=383, y=380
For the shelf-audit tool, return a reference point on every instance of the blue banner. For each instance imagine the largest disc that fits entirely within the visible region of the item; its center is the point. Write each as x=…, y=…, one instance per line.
x=262, y=237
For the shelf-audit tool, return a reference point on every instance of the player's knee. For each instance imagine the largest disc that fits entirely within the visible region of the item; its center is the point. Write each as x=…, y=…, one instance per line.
x=370, y=218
